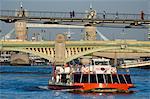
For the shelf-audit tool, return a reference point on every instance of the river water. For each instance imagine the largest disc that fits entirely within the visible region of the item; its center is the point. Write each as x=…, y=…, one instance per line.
x=31, y=83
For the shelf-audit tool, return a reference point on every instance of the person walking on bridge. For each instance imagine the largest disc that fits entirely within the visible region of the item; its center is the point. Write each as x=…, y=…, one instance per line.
x=73, y=13
x=70, y=14
x=142, y=15
x=104, y=14
x=116, y=17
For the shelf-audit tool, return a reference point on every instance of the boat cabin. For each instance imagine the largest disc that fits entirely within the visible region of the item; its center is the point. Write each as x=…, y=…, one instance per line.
x=102, y=66
x=96, y=78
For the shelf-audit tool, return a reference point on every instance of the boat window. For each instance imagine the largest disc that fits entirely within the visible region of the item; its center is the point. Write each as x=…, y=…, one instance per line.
x=93, y=78
x=115, y=79
x=101, y=63
x=77, y=78
x=85, y=78
x=63, y=78
x=121, y=79
x=100, y=78
x=108, y=78
x=128, y=79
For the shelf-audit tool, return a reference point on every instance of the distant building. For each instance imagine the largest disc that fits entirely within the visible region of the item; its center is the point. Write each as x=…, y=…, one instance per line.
x=19, y=58
x=5, y=57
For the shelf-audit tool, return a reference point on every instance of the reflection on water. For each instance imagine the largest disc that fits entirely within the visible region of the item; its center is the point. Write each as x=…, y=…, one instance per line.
x=31, y=83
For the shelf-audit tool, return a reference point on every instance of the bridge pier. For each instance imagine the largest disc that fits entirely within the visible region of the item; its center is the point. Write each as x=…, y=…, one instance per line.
x=60, y=47
x=90, y=33
x=21, y=30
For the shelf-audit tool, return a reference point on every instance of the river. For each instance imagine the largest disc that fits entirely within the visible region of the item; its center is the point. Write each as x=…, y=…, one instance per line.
x=31, y=83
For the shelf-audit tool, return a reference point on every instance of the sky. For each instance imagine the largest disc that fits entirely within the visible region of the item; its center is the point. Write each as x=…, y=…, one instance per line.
x=121, y=6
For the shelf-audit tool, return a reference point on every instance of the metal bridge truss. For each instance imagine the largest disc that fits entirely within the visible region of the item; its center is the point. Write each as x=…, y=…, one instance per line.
x=47, y=17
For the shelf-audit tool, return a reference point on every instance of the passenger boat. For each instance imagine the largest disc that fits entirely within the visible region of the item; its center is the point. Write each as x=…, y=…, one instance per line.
x=99, y=76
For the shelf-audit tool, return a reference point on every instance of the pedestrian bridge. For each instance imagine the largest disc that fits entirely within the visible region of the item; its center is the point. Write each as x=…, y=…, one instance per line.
x=49, y=17
x=75, y=49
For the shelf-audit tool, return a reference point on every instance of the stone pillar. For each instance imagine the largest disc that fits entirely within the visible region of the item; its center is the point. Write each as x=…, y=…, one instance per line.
x=21, y=30
x=90, y=33
x=60, y=49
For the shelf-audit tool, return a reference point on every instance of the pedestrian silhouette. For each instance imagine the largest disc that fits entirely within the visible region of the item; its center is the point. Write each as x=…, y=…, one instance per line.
x=142, y=15
x=104, y=14
x=70, y=14
x=23, y=13
x=116, y=15
x=73, y=13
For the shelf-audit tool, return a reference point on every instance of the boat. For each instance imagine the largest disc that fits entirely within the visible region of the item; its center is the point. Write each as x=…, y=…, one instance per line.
x=97, y=76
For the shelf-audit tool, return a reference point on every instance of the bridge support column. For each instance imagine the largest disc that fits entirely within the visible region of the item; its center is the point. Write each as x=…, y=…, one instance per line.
x=60, y=49
x=90, y=33
x=21, y=30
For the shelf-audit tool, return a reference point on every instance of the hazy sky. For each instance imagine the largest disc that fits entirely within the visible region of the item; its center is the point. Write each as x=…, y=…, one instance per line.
x=122, y=6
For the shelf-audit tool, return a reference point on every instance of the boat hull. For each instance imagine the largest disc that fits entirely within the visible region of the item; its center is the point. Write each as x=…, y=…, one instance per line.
x=63, y=87
x=85, y=87
x=93, y=86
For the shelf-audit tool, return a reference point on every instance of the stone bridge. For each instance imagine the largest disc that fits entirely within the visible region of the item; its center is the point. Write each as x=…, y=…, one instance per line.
x=61, y=51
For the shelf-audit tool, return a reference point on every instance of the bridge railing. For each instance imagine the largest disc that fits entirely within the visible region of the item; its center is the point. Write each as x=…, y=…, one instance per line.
x=80, y=15
x=123, y=16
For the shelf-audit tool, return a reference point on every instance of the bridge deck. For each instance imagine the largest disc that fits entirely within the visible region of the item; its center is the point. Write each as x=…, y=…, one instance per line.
x=79, y=43
x=79, y=17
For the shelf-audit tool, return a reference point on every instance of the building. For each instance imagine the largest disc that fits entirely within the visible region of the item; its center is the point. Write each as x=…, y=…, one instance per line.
x=19, y=58
x=5, y=57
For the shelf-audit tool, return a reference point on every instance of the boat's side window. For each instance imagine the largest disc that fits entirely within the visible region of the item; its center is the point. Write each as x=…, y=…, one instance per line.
x=115, y=79
x=128, y=79
x=77, y=78
x=85, y=78
x=63, y=78
x=108, y=78
x=97, y=63
x=93, y=78
x=121, y=79
x=100, y=78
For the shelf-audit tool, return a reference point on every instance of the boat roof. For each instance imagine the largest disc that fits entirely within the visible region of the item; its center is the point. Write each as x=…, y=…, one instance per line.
x=101, y=59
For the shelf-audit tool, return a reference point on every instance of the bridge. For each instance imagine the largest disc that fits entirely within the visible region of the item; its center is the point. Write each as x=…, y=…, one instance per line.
x=24, y=20
x=79, y=18
x=62, y=51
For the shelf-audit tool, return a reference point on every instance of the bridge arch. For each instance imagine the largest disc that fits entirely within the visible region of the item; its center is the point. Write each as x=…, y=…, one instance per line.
x=87, y=52
x=32, y=52
x=104, y=49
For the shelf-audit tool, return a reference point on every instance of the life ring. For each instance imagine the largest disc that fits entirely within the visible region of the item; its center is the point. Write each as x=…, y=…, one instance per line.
x=102, y=69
